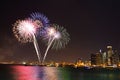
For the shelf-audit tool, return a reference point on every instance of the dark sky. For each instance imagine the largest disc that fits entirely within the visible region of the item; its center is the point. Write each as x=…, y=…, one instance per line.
x=92, y=25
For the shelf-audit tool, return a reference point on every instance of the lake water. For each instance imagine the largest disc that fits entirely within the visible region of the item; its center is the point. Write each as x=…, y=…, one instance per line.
x=19, y=72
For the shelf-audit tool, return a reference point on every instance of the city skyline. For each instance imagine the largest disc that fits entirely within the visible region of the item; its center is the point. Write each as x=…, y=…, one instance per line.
x=92, y=26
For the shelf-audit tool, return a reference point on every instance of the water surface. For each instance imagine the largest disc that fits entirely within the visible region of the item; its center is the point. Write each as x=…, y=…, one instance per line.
x=21, y=72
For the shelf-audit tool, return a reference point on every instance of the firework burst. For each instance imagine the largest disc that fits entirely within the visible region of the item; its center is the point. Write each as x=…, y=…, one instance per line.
x=37, y=25
x=24, y=31
x=41, y=19
x=57, y=37
x=60, y=35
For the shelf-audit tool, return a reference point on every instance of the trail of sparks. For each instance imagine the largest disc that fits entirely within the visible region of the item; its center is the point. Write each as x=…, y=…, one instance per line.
x=49, y=45
x=37, y=48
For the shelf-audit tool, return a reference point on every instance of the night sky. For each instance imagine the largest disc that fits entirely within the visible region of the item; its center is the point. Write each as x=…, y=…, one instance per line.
x=92, y=25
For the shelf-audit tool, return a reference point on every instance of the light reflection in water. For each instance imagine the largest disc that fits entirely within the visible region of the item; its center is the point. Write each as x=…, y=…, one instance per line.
x=50, y=73
x=34, y=73
x=55, y=73
x=25, y=73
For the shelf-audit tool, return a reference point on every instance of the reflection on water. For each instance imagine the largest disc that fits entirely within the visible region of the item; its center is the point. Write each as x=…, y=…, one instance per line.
x=34, y=73
x=18, y=72
x=25, y=73
x=50, y=73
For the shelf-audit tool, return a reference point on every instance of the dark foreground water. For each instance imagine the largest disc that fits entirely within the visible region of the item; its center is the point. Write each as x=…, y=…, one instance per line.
x=18, y=72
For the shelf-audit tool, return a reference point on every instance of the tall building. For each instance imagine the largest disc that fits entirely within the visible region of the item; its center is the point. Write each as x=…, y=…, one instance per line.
x=93, y=59
x=108, y=58
x=104, y=58
x=109, y=55
x=98, y=59
x=115, y=58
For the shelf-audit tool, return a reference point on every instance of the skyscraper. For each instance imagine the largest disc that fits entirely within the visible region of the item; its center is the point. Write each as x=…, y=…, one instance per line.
x=109, y=55
x=104, y=58
x=115, y=58
x=93, y=59
x=96, y=59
